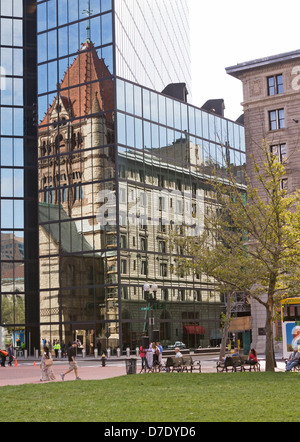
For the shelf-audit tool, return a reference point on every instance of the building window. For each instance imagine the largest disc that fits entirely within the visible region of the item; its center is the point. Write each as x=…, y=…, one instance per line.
x=64, y=192
x=162, y=203
x=161, y=181
x=144, y=269
x=284, y=184
x=124, y=292
x=142, y=176
x=162, y=246
x=276, y=119
x=163, y=270
x=123, y=242
x=275, y=85
x=78, y=192
x=123, y=267
x=164, y=294
x=143, y=199
x=280, y=151
x=181, y=295
x=143, y=244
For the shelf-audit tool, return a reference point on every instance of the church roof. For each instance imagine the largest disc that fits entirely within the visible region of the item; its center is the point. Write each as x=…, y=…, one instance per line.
x=65, y=233
x=81, y=84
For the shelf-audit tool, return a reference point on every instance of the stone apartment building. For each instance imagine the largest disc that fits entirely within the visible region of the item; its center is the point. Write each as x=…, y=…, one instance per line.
x=271, y=90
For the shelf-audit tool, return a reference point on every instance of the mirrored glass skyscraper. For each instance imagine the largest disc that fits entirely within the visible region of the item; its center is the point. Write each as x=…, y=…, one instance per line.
x=19, y=302
x=152, y=42
x=121, y=167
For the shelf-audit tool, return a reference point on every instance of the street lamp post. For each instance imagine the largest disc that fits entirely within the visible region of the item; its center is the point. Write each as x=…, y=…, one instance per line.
x=154, y=290
x=146, y=295
x=149, y=301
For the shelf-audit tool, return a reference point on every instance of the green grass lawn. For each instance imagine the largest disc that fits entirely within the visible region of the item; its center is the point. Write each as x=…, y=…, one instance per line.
x=165, y=397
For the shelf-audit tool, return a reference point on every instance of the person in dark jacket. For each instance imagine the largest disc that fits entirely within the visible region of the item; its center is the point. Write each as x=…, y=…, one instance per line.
x=10, y=352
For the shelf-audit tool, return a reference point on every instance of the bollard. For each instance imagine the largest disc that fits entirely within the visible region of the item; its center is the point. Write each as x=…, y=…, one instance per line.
x=108, y=353
x=118, y=353
x=128, y=352
x=59, y=354
x=137, y=352
x=96, y=353
x=83, y=353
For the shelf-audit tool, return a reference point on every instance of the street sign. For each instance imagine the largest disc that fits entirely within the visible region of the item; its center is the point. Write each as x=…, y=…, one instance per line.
x=146, y=309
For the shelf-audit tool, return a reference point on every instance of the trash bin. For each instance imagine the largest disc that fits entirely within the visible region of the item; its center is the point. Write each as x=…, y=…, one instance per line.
x=130, y=366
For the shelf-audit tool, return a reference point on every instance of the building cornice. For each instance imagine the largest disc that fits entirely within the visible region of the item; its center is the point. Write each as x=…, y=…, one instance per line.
x=239, y=69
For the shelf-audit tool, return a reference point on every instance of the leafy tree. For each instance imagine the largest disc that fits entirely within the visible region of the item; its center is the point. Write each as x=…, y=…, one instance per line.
x=251, y=240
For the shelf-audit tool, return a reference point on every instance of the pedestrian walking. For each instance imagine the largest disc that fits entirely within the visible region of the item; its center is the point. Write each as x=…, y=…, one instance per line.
x=46, y=366
x=72, y=362
x=149, y=355
x=160, y=352
x=10, y=352
x=56, y=348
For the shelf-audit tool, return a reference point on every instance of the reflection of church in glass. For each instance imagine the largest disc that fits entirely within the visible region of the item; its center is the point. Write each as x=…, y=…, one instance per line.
x=72, y=167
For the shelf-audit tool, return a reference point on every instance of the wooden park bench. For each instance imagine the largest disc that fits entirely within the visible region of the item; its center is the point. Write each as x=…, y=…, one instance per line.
x=296, y=368
x=247, y=366
x=236, y=363
x=188, y=364
x=225, y=365
x=184, y=363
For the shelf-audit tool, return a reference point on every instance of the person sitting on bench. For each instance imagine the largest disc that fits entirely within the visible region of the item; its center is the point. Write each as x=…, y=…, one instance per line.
x=178, y=354
x=252, y=358
x=293, y=360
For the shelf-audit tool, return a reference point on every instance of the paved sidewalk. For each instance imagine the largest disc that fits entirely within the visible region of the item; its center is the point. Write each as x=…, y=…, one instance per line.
x=27, y=373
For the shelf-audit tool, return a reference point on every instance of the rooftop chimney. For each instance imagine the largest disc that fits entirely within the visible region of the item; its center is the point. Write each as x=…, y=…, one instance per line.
x=177, y=90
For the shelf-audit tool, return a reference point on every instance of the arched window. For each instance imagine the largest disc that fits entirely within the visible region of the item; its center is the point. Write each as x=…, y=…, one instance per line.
x=63, y=194
x=78, y=192
x=59, y=144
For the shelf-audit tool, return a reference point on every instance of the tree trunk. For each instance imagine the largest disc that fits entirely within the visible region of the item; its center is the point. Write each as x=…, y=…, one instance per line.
x=270, y=361
x=225, y=329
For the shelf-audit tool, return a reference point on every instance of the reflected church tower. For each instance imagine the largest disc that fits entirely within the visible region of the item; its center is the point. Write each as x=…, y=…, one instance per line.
x=76, y=155
x=74, y=125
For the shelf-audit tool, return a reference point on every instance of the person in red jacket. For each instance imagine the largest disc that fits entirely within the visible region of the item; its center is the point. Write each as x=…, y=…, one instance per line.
x=143, y=357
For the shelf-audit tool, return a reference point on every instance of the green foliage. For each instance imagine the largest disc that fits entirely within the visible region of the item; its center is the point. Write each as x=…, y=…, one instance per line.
x=252, y=247
x=251, y=238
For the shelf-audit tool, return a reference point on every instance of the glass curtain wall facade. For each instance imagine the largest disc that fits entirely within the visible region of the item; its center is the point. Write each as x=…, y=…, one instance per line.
x=152, y=42
x=19, y=312
x=167, y=151
x=120, y=167
x=76, y=163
